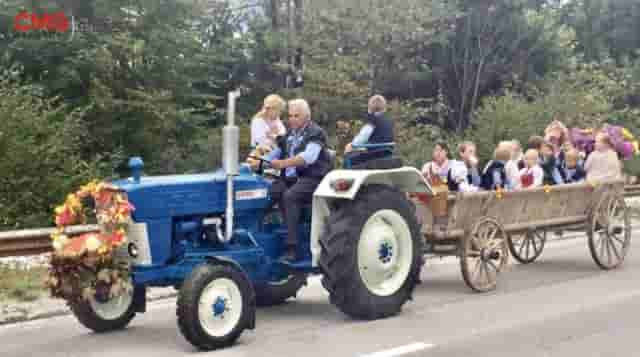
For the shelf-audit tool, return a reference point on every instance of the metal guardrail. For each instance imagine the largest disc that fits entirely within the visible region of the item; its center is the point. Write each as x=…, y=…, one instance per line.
x=37, y=241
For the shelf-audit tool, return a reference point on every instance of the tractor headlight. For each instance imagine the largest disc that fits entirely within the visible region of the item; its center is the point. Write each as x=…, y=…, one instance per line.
x=133, y=250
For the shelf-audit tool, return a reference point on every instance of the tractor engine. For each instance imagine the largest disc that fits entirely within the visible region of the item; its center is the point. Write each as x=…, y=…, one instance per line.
x=182, y=214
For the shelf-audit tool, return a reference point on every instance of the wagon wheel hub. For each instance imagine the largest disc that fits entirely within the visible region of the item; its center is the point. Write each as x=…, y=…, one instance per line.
x=487, y=254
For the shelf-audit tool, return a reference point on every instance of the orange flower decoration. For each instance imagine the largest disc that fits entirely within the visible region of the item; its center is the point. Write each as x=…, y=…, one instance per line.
x=547, y=188
x=499, y=193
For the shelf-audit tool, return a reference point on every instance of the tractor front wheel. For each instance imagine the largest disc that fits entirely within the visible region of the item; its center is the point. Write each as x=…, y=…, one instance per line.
x=215, y=305
x=372, y=253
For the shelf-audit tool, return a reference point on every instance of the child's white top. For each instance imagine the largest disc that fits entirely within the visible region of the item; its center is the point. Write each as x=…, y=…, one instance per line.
x=263, y=132
x=538, y=177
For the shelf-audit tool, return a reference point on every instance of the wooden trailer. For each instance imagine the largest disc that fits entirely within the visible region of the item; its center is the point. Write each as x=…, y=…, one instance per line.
x=482, y=228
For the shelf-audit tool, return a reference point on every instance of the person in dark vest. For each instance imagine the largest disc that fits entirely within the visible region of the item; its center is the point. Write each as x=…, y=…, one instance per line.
x=495, y=174
x=550, y=165
x=303, y=159
x=571, y=169
x=377, y=130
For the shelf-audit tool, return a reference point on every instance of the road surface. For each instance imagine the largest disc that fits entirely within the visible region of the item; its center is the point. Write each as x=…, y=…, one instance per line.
x=562, y=305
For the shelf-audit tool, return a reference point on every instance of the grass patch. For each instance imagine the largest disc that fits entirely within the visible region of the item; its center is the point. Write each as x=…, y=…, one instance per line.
x=20, y=284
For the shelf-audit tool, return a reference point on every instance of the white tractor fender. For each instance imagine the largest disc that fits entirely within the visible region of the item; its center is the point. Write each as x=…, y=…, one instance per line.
x=405, y=179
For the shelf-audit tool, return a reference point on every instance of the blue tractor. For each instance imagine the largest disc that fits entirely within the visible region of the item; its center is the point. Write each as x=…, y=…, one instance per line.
x=214, y=237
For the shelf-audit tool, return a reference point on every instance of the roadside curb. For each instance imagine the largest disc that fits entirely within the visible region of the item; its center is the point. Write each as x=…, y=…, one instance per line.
x=21, y=313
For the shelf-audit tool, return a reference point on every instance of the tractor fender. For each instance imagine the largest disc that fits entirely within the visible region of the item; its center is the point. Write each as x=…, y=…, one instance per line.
x=405, y=179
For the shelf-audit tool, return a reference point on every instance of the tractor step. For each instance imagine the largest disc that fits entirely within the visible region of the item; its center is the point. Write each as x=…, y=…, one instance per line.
x=302, y=266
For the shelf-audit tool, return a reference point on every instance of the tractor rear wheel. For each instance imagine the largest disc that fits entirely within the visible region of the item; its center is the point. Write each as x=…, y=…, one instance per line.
x=372, y=253
x=277, y=292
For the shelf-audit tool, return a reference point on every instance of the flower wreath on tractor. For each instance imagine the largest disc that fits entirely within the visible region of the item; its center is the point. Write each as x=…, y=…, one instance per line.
x=87, y=265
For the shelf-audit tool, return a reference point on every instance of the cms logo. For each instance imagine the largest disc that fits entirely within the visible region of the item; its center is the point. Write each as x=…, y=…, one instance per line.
x=57, y=21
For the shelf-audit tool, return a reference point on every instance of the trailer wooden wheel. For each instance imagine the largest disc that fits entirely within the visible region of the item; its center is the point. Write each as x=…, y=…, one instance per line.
x=609, y=232
x=527, y=247
x=484, y=254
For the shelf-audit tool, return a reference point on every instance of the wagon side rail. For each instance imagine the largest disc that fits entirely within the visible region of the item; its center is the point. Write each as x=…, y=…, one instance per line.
x=517, y=211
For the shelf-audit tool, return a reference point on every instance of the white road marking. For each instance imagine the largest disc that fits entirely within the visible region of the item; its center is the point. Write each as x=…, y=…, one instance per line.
x=401, y=350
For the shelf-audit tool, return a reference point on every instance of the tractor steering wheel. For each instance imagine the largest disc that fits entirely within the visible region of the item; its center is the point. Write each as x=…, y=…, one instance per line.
x=263, y=161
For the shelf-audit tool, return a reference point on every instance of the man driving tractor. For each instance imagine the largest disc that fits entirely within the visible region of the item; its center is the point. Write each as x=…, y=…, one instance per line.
x=303, y=160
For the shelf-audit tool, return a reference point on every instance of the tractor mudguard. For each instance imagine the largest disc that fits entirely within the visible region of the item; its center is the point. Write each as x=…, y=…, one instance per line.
x=405, y=179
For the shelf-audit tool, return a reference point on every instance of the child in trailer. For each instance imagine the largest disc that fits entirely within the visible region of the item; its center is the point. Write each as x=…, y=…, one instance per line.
x=572, y=169
x=517, y=160
x=531, y=175
x=437, y=170
x=550, y=165
x=495, y=174
x=603, y=163
x=535, y=142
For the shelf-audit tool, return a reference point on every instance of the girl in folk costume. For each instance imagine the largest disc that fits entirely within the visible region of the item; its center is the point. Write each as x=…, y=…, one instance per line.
x=437, y=170
x=532, y=175
x=266, y=125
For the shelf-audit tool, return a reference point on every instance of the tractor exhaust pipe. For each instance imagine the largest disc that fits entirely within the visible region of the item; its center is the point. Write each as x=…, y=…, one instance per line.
x=230, y=152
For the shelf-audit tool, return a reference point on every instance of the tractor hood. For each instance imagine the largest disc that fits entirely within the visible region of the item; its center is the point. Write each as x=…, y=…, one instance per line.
x=195, y=194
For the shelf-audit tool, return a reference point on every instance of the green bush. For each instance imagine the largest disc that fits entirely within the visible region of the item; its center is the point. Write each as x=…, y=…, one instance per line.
x=39, y=144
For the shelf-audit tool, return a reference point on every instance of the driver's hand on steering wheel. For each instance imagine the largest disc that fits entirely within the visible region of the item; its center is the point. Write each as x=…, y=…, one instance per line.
x=253, y=163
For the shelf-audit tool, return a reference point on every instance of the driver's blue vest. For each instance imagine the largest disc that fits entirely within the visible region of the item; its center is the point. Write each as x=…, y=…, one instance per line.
x=311, y=133
x=383, y=128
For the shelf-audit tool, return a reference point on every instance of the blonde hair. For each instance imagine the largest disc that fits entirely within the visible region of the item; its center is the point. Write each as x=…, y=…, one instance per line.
x=377, y=103
x=532, y=152
x=503, y=153
x=604, y=137
x=273, y=100
x=301, y=104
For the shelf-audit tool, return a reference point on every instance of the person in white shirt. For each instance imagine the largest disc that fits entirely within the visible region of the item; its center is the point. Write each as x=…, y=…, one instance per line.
x=516, y=163
x=266, y=125
x=532, y=175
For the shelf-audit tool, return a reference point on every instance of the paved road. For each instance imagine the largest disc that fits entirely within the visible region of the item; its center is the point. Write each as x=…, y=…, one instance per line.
x=562, y=305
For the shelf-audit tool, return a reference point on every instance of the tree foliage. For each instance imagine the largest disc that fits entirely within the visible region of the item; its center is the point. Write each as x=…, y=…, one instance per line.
x=154, y=82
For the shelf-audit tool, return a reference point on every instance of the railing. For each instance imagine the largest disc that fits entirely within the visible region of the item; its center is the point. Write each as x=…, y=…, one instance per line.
x=37, y=241
x=34, y=241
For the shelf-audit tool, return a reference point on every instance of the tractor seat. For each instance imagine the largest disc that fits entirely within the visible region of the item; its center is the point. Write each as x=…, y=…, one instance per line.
x=385, y=163
x=376, y=159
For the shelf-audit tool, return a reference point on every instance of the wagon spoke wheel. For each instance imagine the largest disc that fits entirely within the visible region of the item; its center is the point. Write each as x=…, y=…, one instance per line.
x=483, y=255
x=527, y=248
x=609, y=232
